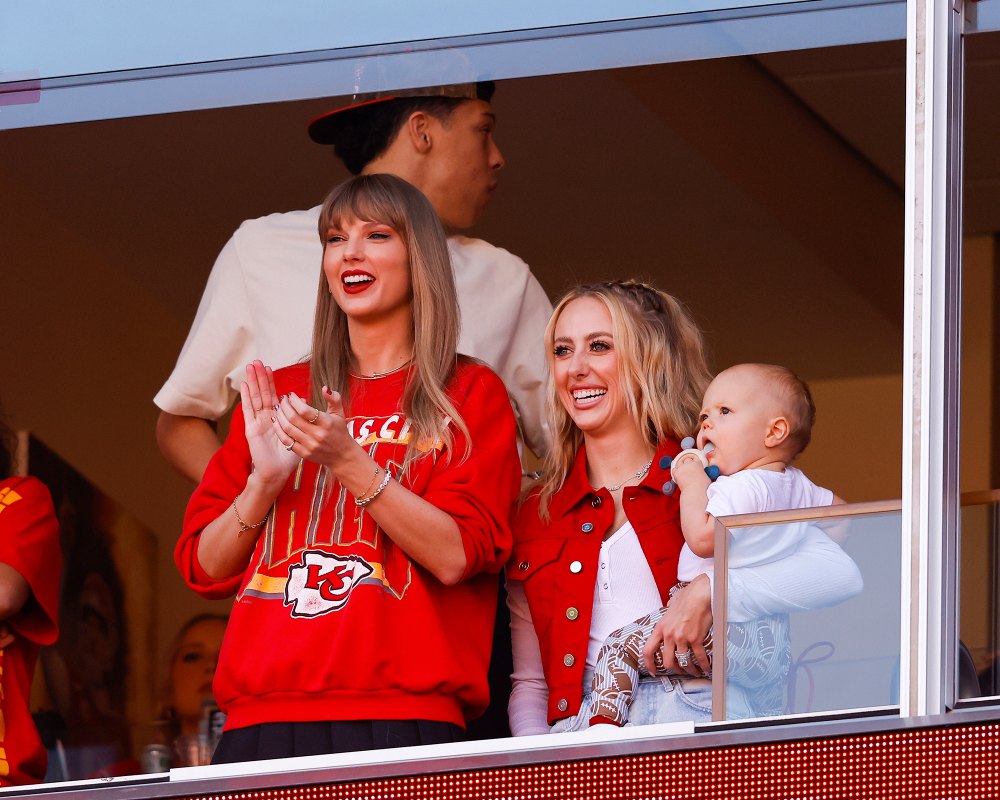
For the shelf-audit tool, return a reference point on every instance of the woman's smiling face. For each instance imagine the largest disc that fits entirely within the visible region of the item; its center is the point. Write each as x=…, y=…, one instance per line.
x=585, y=368
x=367, y=267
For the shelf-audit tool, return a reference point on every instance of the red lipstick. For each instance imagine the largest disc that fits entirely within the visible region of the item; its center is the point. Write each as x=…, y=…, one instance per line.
x=356, y=281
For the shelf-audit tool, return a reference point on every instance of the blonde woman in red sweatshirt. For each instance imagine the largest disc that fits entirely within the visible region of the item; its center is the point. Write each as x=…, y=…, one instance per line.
x=358, y=508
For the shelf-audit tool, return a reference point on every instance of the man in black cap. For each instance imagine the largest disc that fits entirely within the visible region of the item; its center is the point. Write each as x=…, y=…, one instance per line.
x=261, y=293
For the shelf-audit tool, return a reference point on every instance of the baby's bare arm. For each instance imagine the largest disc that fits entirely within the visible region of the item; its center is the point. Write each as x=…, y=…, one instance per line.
x=697, y=524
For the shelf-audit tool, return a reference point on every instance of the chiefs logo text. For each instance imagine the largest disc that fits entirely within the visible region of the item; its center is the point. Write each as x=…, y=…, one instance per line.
x=323, y=583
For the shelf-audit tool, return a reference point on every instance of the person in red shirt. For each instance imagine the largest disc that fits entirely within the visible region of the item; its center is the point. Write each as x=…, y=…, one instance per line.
x=597, y=544
x=359, y=506
x=598, y=540
x=30, y=567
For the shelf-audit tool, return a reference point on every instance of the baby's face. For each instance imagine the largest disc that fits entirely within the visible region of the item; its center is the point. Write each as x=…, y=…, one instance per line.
x=735, y=417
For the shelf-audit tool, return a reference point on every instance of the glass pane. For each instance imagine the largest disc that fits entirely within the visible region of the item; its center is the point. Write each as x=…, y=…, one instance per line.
x=141, y=35
x=980, y=380
x=815, y=626
x=982, y=16
x=303, y=56
x=717, y=179
x=979, y=597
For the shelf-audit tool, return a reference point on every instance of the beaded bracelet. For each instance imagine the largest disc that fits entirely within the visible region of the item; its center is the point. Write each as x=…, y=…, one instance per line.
x=374, y=478
x=243, y=526
x=366, y=500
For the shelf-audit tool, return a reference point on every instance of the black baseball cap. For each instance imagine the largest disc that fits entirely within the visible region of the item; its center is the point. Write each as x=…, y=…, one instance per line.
x=323, y=129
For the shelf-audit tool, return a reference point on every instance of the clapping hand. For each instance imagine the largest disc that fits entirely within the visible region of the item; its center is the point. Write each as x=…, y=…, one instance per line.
x=272, y=461
x=319, y=436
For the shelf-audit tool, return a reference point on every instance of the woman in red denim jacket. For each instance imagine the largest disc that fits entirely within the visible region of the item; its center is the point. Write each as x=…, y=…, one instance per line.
x=596, y=544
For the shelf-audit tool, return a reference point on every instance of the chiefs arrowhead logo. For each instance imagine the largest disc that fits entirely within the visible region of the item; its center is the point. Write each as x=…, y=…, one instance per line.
x=323, y=583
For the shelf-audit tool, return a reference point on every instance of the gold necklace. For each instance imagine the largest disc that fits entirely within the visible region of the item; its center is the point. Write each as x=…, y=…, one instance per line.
x=376, y=375
x=641, y=473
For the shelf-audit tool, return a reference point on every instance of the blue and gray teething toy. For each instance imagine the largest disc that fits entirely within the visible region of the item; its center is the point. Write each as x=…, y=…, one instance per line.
x=687, y=446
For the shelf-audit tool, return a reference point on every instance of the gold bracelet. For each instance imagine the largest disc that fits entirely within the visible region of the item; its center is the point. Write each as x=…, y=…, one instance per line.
x=370, y=485
x=385, y=482
x=243, y=526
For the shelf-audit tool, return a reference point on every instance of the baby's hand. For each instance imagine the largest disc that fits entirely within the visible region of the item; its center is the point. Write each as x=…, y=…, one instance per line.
x=687, y=472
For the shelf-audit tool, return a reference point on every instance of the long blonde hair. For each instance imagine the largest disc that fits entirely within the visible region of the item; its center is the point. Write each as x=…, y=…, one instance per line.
x=392, y=201
x=661, y=364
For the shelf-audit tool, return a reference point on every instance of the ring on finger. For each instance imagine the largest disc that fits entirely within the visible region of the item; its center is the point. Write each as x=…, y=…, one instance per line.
x=315, y=418
x=683, y=659
x=290, y=445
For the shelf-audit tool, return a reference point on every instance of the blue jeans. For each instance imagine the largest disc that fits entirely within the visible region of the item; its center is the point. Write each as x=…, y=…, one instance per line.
x=655, y=700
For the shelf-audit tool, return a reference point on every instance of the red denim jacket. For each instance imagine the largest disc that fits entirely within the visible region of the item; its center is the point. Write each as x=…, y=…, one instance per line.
x=557, y=562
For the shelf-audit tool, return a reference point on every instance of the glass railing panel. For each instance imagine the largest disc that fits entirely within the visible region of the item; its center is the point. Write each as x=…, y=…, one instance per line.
x=979, y=597
x=812, y=611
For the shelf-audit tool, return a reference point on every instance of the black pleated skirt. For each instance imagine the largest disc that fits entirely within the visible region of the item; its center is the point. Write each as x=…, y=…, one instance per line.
x=287, y=739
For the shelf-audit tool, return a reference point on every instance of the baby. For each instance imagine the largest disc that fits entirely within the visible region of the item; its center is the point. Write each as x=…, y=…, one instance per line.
x=758, y=417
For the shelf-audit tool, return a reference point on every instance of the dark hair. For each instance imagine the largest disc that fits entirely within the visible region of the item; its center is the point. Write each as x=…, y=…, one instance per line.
x=366, y=132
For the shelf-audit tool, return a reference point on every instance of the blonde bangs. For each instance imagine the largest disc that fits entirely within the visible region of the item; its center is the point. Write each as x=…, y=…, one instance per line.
x=392, y=201
x=372, y=203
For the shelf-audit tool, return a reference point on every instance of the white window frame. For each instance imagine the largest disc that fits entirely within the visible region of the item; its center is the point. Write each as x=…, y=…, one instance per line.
x=932, y=356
